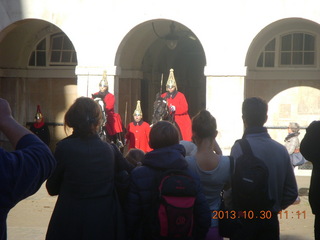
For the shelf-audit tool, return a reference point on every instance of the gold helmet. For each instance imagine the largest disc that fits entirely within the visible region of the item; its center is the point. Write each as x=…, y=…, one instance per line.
x=171, y=80
x=38, y=114
x=137, y=111
x=104, y=81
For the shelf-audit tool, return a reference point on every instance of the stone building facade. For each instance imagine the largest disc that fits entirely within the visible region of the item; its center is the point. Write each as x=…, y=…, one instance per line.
x=51, y=52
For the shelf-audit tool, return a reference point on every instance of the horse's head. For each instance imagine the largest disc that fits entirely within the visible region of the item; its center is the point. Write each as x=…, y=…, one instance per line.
x=102, y=107
x=161, y=110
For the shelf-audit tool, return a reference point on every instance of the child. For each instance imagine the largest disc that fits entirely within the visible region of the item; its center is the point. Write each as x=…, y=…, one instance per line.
x=135, y=156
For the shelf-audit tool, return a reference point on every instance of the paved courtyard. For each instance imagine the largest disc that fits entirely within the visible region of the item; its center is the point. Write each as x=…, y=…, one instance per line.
x=30, y=218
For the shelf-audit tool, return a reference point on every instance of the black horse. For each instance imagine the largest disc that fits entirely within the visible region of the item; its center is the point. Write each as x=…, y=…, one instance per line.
x=161, y=112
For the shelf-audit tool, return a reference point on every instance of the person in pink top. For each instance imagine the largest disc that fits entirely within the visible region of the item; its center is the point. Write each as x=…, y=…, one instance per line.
x=178, y=107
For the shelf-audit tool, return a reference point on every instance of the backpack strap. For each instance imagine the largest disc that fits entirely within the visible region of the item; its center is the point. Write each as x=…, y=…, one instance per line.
x=231, y=164
x=245, y=146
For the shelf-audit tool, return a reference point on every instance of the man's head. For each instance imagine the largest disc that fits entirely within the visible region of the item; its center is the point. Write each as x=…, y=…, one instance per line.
x=294, y=127
x=103, y=85
x=137, y=118
x=137, y=114
x=254, y=112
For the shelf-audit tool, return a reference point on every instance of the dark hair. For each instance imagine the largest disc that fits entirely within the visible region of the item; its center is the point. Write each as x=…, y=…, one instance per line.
x=163, y=134
x=204, y=124
x=84, y=116
x=135, y=156
x=254, y=111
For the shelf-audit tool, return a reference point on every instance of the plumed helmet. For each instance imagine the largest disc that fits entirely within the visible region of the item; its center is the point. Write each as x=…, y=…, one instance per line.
x=38, y=114
x=171, y=80
x=104, y=81
x=137, y=111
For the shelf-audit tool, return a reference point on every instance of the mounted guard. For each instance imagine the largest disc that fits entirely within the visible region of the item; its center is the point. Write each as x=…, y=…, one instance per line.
x=113, y=127
x=178, y=107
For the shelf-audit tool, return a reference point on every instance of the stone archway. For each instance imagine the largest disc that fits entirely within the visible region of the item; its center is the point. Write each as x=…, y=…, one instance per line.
x=143, y=57
x=52, y=86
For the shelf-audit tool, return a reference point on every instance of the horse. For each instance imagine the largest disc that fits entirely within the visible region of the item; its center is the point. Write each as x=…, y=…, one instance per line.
x=161, y=112
x=117, y=139
x=102, y=129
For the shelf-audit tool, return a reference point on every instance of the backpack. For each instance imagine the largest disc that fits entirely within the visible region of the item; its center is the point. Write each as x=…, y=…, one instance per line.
x=250, y=181
x=177, y=195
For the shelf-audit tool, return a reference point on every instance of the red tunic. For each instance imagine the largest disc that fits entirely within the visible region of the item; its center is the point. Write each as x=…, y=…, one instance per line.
x=114, y=122
x=138, y=136
x=181, y=115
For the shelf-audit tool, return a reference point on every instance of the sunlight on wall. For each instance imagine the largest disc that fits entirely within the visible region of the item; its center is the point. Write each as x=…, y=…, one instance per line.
x=297, y=104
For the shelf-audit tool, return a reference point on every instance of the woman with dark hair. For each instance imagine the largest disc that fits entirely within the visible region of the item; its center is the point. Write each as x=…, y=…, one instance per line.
x=168, y=154
x=84, y=179
x=212, y=168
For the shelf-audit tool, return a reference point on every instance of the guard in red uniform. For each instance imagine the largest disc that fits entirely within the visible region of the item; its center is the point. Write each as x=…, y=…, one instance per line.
x=40, y=128
x=178, y=107
x=114, y=122
x=138, y=131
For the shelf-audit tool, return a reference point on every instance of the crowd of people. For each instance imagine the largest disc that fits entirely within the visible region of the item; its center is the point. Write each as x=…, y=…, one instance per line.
x=106, y=194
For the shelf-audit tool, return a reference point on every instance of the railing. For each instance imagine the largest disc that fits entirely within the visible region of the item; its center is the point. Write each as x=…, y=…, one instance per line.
x=53, y=124
x=281, y=127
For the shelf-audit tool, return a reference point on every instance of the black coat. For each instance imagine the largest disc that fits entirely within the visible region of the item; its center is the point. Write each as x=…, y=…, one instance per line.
x=84, y=182
x=310, y=149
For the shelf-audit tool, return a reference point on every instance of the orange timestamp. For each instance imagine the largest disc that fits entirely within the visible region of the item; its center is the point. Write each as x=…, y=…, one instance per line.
x=292, y=214
x=232, y=214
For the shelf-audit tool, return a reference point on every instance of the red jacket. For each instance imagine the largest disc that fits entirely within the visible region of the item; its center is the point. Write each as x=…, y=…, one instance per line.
x=181, y=115
x=138, y=136
x=114, y=122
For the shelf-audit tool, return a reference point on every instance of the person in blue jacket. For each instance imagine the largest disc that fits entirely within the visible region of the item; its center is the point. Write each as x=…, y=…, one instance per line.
x=168, y=154
x=23, y=170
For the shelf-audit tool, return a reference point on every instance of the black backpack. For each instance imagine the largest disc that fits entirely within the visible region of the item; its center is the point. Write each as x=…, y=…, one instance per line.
x=250, y=181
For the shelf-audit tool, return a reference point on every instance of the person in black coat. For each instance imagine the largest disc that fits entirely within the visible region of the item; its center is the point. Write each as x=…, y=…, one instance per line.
x=87, y=207
x=167, y=154
x=310, y=149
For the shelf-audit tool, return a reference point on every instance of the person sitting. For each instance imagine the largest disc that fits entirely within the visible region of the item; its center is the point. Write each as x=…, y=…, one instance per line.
x=178, y=107
x=114, y=126
x=23, y=170
x=40, y=128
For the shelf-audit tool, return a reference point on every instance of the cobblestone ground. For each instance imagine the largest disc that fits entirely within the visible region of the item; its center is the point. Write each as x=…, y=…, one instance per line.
x=29, y=219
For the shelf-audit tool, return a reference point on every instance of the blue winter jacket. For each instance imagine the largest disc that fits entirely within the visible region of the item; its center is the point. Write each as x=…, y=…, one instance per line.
x=22, y=173
x=144, y=184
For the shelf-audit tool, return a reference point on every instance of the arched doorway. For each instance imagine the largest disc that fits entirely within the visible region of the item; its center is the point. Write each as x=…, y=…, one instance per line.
x=143, y=57
x=37, y=67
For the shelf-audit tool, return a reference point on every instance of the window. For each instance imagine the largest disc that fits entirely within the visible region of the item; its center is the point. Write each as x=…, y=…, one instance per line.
x=54, y=50
x=62, y=51
x=267, y=57
x=295, y=49
x=38, y=56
